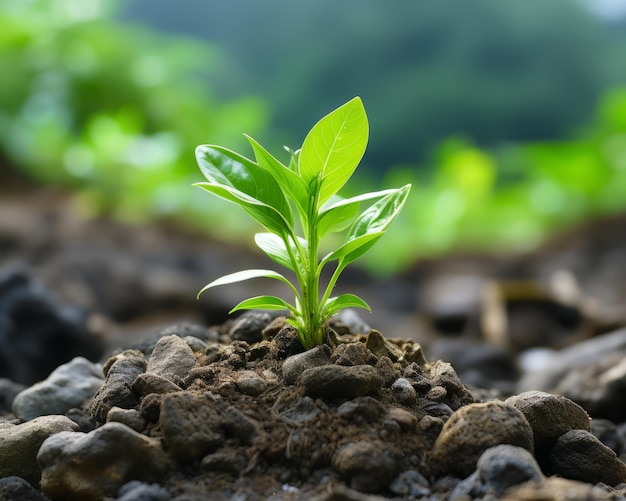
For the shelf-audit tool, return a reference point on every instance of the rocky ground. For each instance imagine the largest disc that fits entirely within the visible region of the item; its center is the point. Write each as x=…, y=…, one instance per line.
x=493, y=378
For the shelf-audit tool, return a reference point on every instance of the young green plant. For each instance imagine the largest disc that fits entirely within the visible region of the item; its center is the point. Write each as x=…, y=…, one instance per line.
x=298, y=205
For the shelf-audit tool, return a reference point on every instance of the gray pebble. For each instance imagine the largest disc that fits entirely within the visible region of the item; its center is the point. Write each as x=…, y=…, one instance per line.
x=68, y=386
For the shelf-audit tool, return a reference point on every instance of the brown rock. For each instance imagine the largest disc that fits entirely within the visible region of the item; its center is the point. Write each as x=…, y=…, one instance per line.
x=473, y=429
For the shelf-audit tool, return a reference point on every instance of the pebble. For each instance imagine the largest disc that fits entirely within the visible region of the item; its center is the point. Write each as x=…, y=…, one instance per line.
x=365, y=466
x=353, y=354
x=250, y=383
x=295, y=365
x=94, y=465
x=405, y=419
x=68, y=386
x=578, y=455
x=550, y=416
x=410, y=483
x=332, y=381
x=382, y=347
x=141, y=491
x=147, y=383
x=116, y=391
x=19, y=444
x=403, y=392
x=130, y=417
x=249, y=327
x=171, y=359
x=224, y=462
x=16, y=488
x=191, y=426
x=473, y=429
x=498, y=469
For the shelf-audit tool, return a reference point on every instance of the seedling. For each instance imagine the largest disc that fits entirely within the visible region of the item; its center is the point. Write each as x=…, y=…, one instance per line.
x=274, y=194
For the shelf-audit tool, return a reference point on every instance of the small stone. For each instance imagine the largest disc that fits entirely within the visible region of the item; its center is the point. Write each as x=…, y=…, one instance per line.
x=332, y=381
x=68, y=386
x=140, y=491
x=382, y=347
x=403, y=392
x=18, y=489
x=413, y=353
x=130, y=417
x=550, y=416
x=116, y=391
x=367, y=466
x=578, y=455
x=386, y=370
x=171, y=359
x=250, y=383
x=95, y=465
x=287, y=342
x=196, y=345
x=190, y=425
x=406, y=420
x=353, y=354
x=473, y=429
x=361, y=409
x=498, y=469
x=295, y=365
x=19, y=444
x=147, y=383
x=249, y=327
x=410, y=483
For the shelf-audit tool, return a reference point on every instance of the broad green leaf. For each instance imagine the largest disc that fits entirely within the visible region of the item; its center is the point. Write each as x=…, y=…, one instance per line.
x=334, y=147
x=267, y=216
x=238, y=174
x=241, y=276
x=263, y=303
x=289, y=181
x=341, y=214
x=275, y=248
x=335, y=304
x=380, y=215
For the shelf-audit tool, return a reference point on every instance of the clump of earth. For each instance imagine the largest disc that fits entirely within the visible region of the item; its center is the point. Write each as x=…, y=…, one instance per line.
x=241, y=411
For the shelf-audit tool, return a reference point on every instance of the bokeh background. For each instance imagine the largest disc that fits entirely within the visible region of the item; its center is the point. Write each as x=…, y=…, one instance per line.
x=509, y=118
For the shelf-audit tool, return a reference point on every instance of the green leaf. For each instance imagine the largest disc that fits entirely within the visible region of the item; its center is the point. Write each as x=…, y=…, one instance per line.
x=275, y=248
x=239, y=180
x=241, y=276
x=341, y=214
x=334, y=147
x=263, y=303
x=290, y=182
x=335, y=304
x=370, y=225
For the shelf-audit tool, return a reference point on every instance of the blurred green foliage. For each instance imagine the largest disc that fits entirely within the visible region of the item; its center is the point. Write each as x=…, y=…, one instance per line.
x=114, y=112
x=490, y=70
x=511, y=197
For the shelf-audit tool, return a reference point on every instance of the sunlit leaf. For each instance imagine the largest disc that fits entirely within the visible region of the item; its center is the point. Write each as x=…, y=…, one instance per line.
x=246, y=183
x=241, y=276
x=263, y=303
x=275, y=248
x=336, y=304
x=334, y=147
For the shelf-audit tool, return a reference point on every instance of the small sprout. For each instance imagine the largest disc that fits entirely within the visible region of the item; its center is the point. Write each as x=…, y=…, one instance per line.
x=298, y=205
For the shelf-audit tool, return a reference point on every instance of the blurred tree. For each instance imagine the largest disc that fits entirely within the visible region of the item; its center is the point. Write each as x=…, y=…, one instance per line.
x=488, y=69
